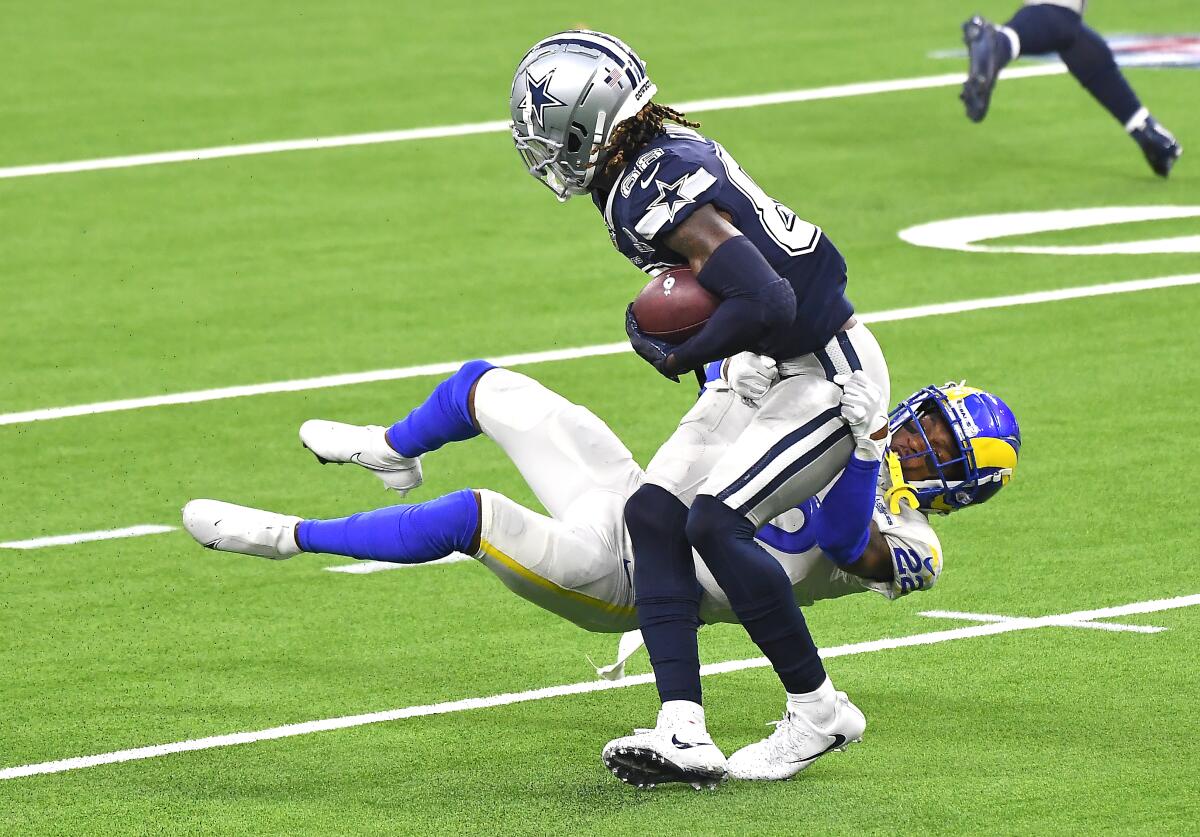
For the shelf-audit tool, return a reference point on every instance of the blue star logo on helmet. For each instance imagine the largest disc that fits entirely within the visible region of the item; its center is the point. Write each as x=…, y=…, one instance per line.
x=670, y=196
x=538, y=97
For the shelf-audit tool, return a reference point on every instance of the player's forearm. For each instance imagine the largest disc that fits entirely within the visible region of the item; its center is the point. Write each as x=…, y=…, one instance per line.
x=755, y=303
x=843, y=520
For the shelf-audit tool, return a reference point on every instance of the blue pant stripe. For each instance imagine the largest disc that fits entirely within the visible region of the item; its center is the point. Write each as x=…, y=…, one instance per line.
x=826, y=363
x=777, y=449
x=796, y=467
x=848, y=350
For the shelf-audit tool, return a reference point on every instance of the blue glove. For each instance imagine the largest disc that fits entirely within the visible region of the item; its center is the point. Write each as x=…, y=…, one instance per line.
x=649, y=349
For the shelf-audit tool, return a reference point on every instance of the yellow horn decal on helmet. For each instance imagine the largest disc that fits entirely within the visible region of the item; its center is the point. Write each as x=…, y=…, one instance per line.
x=994, y=453
x=900, y=490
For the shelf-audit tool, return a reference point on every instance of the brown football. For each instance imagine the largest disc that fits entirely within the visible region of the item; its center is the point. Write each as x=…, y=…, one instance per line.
x=673, y=306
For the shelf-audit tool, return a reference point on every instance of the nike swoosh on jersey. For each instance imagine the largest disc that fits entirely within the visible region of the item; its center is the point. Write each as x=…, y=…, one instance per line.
x=838, y=741
x=649, y=177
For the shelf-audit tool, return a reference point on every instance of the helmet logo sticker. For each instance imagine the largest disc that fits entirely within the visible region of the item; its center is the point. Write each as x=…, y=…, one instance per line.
x=538, y=98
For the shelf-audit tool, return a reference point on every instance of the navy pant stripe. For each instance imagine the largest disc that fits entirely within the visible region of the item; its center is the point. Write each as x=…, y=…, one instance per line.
x=778, y=448
x=826, y=363
x=848, y=350
x=796, y=467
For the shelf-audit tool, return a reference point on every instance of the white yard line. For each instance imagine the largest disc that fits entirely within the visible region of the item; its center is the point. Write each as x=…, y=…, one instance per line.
x=377, y=375
x=85, y=537
x=1065, y=623
x=307, y=727
x=839, y=91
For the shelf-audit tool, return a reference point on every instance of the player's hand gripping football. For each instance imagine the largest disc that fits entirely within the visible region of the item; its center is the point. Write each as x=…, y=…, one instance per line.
x=654, y=352
x=750, y=375
x=864, y=409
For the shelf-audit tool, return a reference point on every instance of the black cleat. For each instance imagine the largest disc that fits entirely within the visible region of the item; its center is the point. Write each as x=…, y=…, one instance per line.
x=985, y=59
x=1159, y=145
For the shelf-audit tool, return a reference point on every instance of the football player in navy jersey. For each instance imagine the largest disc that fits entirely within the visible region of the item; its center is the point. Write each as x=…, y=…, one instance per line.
x=584, y=122
x=1045, y=26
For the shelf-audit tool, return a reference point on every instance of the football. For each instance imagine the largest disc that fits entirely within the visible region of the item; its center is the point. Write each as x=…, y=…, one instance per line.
x=673, y=306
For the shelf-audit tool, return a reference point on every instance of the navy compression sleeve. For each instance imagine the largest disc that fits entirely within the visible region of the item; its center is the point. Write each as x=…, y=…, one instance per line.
x=843, y=520
x=755, y=301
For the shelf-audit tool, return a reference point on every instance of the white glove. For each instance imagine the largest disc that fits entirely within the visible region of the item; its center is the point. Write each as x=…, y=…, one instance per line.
x=750, y=375
x=866, y=413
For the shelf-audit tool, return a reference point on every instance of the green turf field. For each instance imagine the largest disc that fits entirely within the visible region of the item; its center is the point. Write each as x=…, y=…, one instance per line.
x=173, y=278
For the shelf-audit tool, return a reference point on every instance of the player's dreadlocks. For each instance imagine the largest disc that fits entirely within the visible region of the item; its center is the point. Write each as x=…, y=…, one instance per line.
x=633, y=133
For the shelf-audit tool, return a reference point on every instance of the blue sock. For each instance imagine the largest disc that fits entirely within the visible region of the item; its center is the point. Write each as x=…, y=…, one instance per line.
x=759, y=592
x=667, y=593
x=443, y=417
x=401, y=534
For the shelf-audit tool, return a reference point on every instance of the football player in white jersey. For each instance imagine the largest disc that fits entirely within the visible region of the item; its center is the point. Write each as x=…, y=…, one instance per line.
x=578, y=563
x=1041, y=27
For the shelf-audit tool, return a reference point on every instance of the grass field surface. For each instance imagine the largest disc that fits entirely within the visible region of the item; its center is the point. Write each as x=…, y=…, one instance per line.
x=172, y=278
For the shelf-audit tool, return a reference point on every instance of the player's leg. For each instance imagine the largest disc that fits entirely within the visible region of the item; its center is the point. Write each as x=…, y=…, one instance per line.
x=1056, y=26
x=1036, y=29
x=795, y=446
x=569, y=569
x=393, y=453
x=668, y=593
x=561, y=449
x=404, y=534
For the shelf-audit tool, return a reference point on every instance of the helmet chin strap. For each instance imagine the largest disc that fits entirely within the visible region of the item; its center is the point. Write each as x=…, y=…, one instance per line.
x=900, y=491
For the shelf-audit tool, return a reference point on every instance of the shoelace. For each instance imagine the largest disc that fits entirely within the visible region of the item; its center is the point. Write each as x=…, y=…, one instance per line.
x=786, y=738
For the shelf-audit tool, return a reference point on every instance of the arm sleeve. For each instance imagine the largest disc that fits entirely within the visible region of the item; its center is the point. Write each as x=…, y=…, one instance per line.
x=843, y=520
x=755, y=302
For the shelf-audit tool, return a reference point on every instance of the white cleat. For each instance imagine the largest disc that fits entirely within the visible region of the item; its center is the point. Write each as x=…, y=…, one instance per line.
x=797, y=742
x=232, y=528
x=671, y=752
x=333, y=441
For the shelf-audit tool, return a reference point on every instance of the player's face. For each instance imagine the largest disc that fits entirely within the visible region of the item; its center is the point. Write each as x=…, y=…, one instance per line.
x=907, y=441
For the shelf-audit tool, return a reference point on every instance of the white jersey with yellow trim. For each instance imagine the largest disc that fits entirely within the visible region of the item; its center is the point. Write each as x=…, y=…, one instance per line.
x=577, y=562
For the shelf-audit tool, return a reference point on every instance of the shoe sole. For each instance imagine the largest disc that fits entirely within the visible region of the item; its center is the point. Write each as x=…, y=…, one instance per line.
x=644, y=768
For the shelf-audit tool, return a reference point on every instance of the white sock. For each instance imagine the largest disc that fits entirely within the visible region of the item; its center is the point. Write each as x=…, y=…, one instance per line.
x=1014, y=41
x=1137, y=120
x=818, y=705
x=683, y=711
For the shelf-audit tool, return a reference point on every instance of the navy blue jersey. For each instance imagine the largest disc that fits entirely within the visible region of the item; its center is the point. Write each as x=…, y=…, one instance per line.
x=681, y=171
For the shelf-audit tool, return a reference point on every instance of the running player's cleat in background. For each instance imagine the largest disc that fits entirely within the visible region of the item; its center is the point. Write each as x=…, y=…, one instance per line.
x=1159, y=145
x=985, y=60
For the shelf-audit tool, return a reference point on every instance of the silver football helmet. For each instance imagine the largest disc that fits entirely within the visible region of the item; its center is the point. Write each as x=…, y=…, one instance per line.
x=569, y=92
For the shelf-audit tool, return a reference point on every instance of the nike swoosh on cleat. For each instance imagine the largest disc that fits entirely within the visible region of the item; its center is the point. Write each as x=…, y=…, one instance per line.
x=683, y=745
x=838, y=741
x=356, y=458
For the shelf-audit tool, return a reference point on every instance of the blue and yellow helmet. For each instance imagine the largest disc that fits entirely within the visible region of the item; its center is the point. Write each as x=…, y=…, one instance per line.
x=988, y=438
